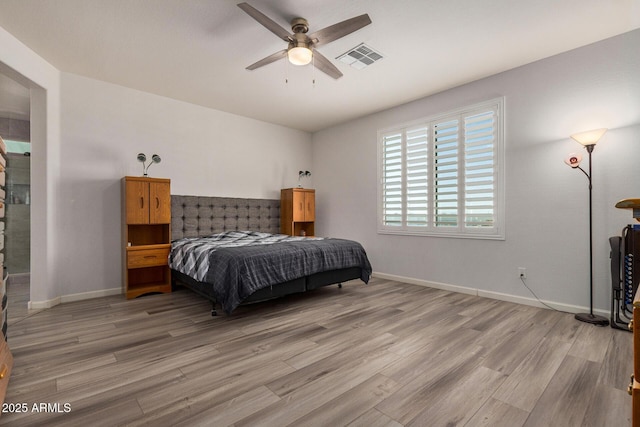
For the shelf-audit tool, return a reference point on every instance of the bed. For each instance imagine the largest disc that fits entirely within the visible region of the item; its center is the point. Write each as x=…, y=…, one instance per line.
x=257, y=263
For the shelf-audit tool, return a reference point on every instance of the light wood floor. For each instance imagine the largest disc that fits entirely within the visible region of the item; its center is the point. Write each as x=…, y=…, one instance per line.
x=386, y=354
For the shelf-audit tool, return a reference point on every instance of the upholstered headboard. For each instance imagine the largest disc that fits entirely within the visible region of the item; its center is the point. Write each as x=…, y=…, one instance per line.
x=195, y=216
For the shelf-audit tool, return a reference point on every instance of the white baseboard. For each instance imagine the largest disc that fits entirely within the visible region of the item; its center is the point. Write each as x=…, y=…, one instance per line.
x=40, y=305
x=493, y=295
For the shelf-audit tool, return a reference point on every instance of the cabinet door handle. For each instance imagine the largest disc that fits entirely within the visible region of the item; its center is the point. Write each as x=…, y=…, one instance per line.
x=3, y=371
x=141, y=202
x=157, y=203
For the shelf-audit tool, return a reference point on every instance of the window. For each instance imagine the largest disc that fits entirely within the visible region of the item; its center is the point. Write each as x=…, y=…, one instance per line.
x=443, y=175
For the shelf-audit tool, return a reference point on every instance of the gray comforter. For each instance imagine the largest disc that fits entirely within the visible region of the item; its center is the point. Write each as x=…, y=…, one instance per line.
x=238, y=263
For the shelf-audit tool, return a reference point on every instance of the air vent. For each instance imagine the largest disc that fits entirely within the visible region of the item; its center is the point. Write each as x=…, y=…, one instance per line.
x=360, y=56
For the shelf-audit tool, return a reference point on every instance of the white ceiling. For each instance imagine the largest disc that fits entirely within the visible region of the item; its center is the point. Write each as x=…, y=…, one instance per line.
x=197, y=50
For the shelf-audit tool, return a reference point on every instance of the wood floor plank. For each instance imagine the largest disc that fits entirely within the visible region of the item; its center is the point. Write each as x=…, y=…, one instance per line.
x=568, y=396
x=435, y=357
x=607, y=401
x=436, y=331
x=508, y=354
x=237, y=408
x=334, y=348
x=529, y=380
x=495, y=413
x=455, y=406
x=590, y=345
x=350, y=358
x=351, y=404
x=195, y=395
x=374, y=418
x=24, y=375
x=617, y=366
x=115, y=375
x=566, y=328
x=318, y=392
x=446, y=373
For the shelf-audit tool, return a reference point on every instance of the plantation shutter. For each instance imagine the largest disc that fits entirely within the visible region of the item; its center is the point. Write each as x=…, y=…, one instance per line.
x=443, y=176
x=446, y=171
x=417, y=144
x=480, y=169
x=392, y=179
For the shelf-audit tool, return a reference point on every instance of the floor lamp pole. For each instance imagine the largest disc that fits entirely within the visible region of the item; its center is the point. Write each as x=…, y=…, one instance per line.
x=590, y=317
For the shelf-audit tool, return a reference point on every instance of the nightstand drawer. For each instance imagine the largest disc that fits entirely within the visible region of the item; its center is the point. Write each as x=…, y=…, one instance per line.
x=147, y=257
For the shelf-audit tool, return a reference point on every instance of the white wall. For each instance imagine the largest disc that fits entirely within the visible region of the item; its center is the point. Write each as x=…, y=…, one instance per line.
x=546, y=201
x=204, y=152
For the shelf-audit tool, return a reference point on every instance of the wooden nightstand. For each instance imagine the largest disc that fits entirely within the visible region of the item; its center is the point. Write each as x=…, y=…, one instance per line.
x=146, y=235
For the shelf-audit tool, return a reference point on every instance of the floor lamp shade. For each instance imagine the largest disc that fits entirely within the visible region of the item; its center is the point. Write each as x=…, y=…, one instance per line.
x=590, y=137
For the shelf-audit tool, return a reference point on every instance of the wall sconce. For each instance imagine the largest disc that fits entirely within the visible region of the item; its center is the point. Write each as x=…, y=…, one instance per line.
x=302, y=174
x=143, y=158
x=588, y=140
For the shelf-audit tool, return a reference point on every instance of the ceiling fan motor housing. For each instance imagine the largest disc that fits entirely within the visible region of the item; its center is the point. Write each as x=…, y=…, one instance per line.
x=299, y=25
x=299, y=40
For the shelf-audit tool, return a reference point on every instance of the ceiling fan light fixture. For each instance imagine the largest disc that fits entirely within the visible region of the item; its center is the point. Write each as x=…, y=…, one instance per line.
x=300, y=55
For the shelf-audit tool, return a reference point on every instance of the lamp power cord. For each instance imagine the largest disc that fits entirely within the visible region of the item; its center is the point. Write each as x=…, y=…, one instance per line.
x=524, y=282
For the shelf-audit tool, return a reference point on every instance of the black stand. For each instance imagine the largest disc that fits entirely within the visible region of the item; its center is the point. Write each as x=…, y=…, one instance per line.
x=593, y=319
x=590, y=317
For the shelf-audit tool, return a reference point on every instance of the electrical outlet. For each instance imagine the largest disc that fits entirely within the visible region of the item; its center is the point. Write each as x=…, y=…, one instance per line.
x=522, y=272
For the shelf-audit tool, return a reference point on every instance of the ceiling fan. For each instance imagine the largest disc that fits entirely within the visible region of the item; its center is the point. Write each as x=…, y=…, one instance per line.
x=301, y=49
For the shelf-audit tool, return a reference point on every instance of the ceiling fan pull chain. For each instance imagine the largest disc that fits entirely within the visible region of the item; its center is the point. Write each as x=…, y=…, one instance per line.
x=286, y=73
x=313, y=68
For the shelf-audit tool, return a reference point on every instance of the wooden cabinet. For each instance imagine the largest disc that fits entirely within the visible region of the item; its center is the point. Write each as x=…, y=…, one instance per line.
x=146, y=235
x=297, y=211
x=634, y=386
x=148, y=201
x=6, y=364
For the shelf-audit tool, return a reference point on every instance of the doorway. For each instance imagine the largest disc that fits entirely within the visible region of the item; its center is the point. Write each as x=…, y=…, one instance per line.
x=15, y=132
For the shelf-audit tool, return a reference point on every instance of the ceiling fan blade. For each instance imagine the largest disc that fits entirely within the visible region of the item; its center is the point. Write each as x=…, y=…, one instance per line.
x=323, y=64
x=340, y=29
x=267, y=22
x=268, y=60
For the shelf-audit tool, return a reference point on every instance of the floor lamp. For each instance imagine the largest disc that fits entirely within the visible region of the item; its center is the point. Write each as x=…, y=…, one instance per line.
x=589, y=140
